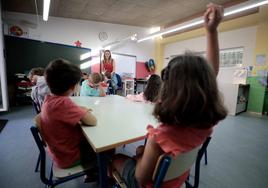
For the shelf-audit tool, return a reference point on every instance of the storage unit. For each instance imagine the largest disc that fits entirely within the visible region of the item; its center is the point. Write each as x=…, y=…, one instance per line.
x=235, y=97
x=128, y=87
x=140, y=85
x=242, y=98
x=23, y=88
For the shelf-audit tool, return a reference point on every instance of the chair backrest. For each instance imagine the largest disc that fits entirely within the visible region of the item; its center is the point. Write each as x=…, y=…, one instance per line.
x=168, y=168
x=119, y=80
x=201, y=152
x=36, y=106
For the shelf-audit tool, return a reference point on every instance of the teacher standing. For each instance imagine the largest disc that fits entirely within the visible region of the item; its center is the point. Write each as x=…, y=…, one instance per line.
x=108, y=63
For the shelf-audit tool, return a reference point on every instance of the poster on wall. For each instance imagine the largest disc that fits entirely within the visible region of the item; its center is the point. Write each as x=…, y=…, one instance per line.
x=18, y=31
x=260, y=60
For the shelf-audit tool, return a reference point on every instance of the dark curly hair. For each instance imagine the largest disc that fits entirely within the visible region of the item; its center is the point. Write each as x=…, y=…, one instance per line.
x=190, y=95
x=61, y=75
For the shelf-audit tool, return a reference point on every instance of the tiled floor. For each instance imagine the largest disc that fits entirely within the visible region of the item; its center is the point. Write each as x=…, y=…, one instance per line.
x=237, y=154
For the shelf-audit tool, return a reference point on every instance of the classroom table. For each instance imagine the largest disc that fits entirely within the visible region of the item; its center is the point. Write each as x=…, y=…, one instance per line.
x=119, y=122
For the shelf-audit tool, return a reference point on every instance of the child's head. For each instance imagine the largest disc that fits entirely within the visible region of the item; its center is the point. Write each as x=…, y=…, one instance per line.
x=95, y=79
x=108, y=75
x=153, y=87
x=62, y=76
x=34, y=72
x=85, y=75
x=189, y=96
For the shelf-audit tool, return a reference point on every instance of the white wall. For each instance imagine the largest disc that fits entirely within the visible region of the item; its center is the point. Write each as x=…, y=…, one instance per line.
x=3, y=89
x=245, y=37
x=67, y=31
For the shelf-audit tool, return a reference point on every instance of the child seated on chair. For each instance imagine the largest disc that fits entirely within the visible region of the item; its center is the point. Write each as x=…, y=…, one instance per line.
x=151, y=91
x=61, y=117
x=92, y=86
x=188, y=108
x=40, y=88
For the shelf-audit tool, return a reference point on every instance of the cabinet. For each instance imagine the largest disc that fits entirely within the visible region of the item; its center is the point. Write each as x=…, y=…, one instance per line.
x=242, y=98
x=139, y=86
x=235, y=97
x=128, y=87
x=23, y=88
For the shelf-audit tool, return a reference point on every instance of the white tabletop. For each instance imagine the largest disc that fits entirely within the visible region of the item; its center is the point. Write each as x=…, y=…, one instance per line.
x=119, y=121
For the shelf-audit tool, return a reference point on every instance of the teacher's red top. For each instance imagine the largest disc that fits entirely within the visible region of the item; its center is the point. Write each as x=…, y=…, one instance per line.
x=108, y=66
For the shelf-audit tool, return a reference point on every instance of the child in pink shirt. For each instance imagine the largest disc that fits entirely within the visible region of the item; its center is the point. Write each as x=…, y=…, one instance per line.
x=61, y=117
x=151, y=91
x=188, y=108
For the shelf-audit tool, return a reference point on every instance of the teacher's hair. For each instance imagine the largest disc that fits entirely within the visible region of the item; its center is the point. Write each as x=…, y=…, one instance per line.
x=104, y=57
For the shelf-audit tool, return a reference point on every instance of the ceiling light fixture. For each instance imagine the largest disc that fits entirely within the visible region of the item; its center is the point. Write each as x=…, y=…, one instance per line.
x=46, y=9
x=198, y=21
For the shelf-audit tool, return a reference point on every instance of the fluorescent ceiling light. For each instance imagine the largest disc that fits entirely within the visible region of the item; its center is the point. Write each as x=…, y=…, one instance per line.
x=247, y=7
x=154, y=29
x=198, y=21
x=46, y=9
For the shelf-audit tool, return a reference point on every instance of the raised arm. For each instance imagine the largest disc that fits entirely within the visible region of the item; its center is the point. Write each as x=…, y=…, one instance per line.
x=212, y=18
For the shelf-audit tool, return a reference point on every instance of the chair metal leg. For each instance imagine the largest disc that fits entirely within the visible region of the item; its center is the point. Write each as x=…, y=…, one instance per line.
x=37, y=163
x=102, y=163
x=206, y=157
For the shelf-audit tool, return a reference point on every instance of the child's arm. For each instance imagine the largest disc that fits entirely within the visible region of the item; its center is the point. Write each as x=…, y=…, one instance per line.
x=146, y=162
x=212, y=18
x=102, y=92
x=89, y=118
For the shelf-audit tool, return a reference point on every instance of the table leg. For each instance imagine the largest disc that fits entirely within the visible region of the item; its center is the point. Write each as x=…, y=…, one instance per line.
x=102, y=162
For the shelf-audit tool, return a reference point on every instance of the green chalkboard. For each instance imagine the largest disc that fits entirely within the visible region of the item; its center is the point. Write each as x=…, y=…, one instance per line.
x=23, y=54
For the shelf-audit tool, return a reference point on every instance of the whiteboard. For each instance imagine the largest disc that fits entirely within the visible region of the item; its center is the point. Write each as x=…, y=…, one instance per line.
x=124, y=63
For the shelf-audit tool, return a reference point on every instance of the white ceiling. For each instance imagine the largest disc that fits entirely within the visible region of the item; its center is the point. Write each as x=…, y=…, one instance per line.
x=145, y=13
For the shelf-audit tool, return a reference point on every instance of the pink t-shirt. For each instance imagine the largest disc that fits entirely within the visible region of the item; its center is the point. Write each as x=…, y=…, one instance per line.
x=60, y=129
x=174, y=140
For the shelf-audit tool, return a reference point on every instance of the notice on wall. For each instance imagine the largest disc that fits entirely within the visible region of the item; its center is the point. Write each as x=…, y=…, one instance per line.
x=260, y=60
x=240, y=76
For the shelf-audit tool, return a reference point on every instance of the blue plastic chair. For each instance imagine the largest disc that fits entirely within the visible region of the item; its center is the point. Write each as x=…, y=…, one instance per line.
x=57, y=175
x=168, y=169
x=37, y=109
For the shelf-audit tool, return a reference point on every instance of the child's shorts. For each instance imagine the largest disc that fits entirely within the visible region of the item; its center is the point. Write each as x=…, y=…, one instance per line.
x=129, y=173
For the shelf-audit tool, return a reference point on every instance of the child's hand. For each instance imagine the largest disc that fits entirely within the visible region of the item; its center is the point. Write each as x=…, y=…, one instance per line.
x=213, y=16
x=87, y=109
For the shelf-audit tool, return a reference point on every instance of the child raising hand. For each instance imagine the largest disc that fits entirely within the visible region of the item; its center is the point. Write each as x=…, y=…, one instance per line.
x=189, y=107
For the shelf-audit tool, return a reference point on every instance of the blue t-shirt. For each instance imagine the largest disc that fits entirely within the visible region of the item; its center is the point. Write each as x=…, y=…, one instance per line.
x=86, y=90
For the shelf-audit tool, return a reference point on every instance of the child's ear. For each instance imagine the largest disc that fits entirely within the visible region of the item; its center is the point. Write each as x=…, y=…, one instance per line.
x=72, y=87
